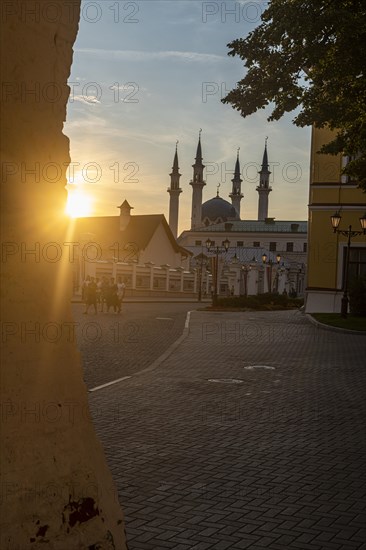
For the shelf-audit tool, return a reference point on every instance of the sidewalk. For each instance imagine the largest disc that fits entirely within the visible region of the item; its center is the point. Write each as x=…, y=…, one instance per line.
x=262, y=458
x=154, y=299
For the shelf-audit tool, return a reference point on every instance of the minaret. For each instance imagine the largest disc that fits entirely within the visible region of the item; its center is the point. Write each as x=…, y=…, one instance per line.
x=197, y=185
x=236, y=194
x=263, y=188
x=174, y=191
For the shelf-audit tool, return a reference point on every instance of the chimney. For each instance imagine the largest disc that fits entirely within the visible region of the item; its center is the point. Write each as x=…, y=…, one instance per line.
x=125, y=215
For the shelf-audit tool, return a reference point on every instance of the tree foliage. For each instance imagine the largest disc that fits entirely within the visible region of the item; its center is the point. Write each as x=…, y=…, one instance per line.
x=310, y=54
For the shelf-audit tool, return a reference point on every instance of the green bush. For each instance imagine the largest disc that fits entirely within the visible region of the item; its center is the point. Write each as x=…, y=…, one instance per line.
x=261, y=301
x=357, y=297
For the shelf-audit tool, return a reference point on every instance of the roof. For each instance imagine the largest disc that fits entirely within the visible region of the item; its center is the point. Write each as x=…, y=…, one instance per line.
x=105, y=230
x=125, y=205
x=259, y=226
x=101, y=230
x=140, y=230
x=218, y=208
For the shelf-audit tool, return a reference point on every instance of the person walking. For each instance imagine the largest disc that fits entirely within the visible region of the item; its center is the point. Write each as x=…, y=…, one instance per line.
x=84, y=287
x=91, y=296
x=112, y=299
x=121, y=288
x=104, y=291
x=98, y=282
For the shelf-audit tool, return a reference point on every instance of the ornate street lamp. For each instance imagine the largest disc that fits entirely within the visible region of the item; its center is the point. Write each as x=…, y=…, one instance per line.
x=363, y=223
x=335, y=220
x=349, y=233
x=216, y=250
x=245, y=270
x=270, y=263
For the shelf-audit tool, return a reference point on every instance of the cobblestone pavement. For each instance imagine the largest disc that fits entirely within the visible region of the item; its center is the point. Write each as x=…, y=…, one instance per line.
x=114, y=346
x=264, y=458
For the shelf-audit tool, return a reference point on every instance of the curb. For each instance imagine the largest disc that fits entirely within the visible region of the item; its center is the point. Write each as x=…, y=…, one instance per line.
x=171, y=348
x=157, y=361
x=152, y=301
x=333, y=329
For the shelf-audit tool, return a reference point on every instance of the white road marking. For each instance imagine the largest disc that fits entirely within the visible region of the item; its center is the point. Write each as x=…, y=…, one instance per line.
x=109, y=383
x=252, y=367
x=164, y=318
x=186, y=324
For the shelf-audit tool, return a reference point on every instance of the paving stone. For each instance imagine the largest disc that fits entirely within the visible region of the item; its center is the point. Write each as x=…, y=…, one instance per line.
x=202, y=465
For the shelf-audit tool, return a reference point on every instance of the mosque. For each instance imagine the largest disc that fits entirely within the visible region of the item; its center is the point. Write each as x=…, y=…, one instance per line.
x=251, y=244
x=215, y=210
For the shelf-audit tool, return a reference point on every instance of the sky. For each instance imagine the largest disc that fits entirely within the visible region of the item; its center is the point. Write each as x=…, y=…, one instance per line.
x=147, y=74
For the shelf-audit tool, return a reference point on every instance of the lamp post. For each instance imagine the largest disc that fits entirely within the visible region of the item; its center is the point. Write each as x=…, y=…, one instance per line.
x=217, y=250
x=349, y=233
x=270, y=263
x=279, y=271
x=200, y=276
x=245, y=270
x=299, y=285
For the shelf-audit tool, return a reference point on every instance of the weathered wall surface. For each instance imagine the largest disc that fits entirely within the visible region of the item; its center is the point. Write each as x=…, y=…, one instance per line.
x=56, y=489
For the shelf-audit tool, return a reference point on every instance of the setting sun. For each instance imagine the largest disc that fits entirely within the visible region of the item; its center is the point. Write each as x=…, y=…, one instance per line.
x=78, y=204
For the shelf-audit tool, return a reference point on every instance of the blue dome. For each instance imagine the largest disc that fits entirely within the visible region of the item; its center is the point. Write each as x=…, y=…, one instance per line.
x=218, y=208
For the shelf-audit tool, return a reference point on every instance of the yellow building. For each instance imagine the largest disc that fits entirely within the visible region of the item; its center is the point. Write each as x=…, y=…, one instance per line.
x=327, y=250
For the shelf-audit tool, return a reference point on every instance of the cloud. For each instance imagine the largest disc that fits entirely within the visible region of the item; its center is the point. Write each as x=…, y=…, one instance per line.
x=87, y=99
x=140, y=55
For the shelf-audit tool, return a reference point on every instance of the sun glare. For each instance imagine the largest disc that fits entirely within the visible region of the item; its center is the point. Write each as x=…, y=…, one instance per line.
x=78, y=204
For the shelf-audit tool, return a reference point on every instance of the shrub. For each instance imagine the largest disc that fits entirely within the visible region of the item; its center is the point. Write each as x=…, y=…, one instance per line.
x=261, y=301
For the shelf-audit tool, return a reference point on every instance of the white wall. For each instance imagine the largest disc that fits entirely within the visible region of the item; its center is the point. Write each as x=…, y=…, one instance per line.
x=160, y=250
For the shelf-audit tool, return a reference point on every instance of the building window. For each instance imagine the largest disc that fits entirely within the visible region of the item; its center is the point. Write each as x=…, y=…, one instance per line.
x=357, y=263
x=198, y=243
x=239, y=243
x=345, y=160
x=305, y=247
x=272, y=247
x=289, y=247
x=256, y=244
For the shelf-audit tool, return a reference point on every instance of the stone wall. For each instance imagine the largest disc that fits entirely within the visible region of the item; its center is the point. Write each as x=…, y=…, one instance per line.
x=57, y=490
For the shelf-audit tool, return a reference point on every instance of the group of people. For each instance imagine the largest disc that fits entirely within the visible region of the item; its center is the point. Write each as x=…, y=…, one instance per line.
x=104, y=292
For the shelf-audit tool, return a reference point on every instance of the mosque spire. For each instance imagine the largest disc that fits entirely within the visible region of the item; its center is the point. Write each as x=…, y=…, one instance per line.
x=197, y=184
x=264, y=188
x=265, y=166
x=199, y=149
x=175, y=161
x=237, y=165
x=174, y=191
x=236, y=194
